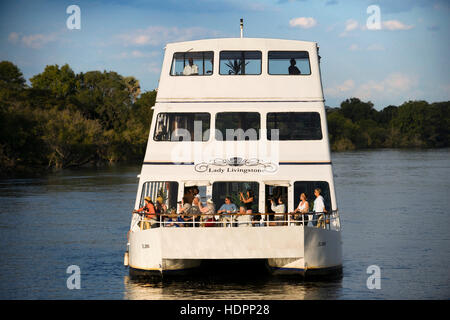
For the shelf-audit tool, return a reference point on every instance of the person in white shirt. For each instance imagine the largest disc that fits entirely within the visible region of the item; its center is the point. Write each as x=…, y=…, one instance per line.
x=280, y=210
x=319, y=208
x=191, y=68
x=242, y=218
x=300, y=213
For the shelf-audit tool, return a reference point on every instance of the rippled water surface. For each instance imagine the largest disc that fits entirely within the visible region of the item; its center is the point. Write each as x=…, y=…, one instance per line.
x=393, y=205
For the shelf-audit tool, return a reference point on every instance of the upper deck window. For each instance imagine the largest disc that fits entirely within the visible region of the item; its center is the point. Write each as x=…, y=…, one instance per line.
x=240, y=62
x=289, y=62
x=182, y=127
x=237, y=126
x=192, y=63
x=294, y=125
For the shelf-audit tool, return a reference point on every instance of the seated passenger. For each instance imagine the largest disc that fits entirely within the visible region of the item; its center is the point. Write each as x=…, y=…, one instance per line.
x=183, y=211
x=207, y=219
x=279, y=209
x=172, y=219
x=300, y=213
x=292, y=68
x=225, y=210
x=161, y=208
x=191, y=68
x=242, y=218
x=195, y=211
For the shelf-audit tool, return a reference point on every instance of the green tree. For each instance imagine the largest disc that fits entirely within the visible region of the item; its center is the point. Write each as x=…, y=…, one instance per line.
x=60, y=82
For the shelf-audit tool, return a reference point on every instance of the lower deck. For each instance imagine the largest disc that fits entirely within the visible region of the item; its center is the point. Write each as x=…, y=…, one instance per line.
x=286, y=249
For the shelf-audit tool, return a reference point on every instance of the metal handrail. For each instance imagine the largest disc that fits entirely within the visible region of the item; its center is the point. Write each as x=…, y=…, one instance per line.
x=319, y=219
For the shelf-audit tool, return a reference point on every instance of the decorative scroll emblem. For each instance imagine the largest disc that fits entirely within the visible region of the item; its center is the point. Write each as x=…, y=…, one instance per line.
x=247, y=165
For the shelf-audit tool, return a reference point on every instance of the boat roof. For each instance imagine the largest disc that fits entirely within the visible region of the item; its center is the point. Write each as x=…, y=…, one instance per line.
x=242, y=43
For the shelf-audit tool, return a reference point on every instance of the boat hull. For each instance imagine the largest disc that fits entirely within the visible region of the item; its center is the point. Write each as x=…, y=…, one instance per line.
x=289, y=250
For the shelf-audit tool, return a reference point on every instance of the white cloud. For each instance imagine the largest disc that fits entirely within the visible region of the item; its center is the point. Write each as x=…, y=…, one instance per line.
x=13, y=37
x=303, y=22
x=158, y=35
x=354, y=47
x=153, y=67
x=341, y=89
x=393, y=88
x=351, y=25
x=34, y=41
x=395, y=25
x=375, y=47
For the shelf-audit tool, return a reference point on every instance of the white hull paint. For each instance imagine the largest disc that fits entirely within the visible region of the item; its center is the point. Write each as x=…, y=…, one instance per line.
x=288, y=249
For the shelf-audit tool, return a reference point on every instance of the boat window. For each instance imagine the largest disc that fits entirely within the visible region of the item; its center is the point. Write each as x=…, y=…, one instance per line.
x=168, y=190
x=236, y=126
x=294, y=126
x=240, y=62
x=221, y=190
x=308, y=187
x=182, y=127
x=289, y=62
x=192, y=63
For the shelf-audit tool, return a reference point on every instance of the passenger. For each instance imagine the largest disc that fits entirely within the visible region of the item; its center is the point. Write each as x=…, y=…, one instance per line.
x=248, y=200
x=191, y=68
x=196, y=194
x=160, y=208
x=319, y=209
x=292, y=68
x=300, y=213
x=225, y=210
x=149, y=212
x=242, y=218
x=172, y=219
x=183, y=210
x=195, y=211
x=207, y=219
x=280, y=210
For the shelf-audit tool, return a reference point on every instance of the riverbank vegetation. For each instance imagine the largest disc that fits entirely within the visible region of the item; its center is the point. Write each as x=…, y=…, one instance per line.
x=63, y=119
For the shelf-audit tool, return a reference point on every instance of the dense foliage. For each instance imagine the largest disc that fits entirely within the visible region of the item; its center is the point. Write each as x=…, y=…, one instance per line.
x=414, y=124
x=66, y=119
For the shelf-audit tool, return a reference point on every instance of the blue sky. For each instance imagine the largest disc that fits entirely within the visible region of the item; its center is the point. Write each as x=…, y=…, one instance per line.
x=407, y=59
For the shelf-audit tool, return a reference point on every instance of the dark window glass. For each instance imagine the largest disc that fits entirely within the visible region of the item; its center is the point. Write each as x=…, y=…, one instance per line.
x=294, y=126
x=182, y=127
x=192, y=64
x=289, y=62
x=308, y=188
x=236, y=126
x=232, y=189
x=168, y=190
x=240, y=62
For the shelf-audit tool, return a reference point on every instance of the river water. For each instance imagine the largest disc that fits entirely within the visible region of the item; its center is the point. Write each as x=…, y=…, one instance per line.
x=394, y=212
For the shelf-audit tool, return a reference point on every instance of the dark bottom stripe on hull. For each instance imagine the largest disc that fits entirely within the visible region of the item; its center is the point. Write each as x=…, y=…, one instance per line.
x=330, y=272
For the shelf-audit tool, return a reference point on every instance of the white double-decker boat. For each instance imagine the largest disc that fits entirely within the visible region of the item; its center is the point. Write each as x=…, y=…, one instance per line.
x=236, y=115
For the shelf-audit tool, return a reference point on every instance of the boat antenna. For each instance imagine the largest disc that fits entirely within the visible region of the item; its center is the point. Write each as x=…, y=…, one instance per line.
x=242, y=28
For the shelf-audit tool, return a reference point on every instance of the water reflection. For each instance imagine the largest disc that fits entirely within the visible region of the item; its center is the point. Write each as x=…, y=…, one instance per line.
x=223, y=287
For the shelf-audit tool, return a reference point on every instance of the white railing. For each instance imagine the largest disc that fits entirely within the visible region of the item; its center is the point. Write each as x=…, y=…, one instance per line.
x=324, y=220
